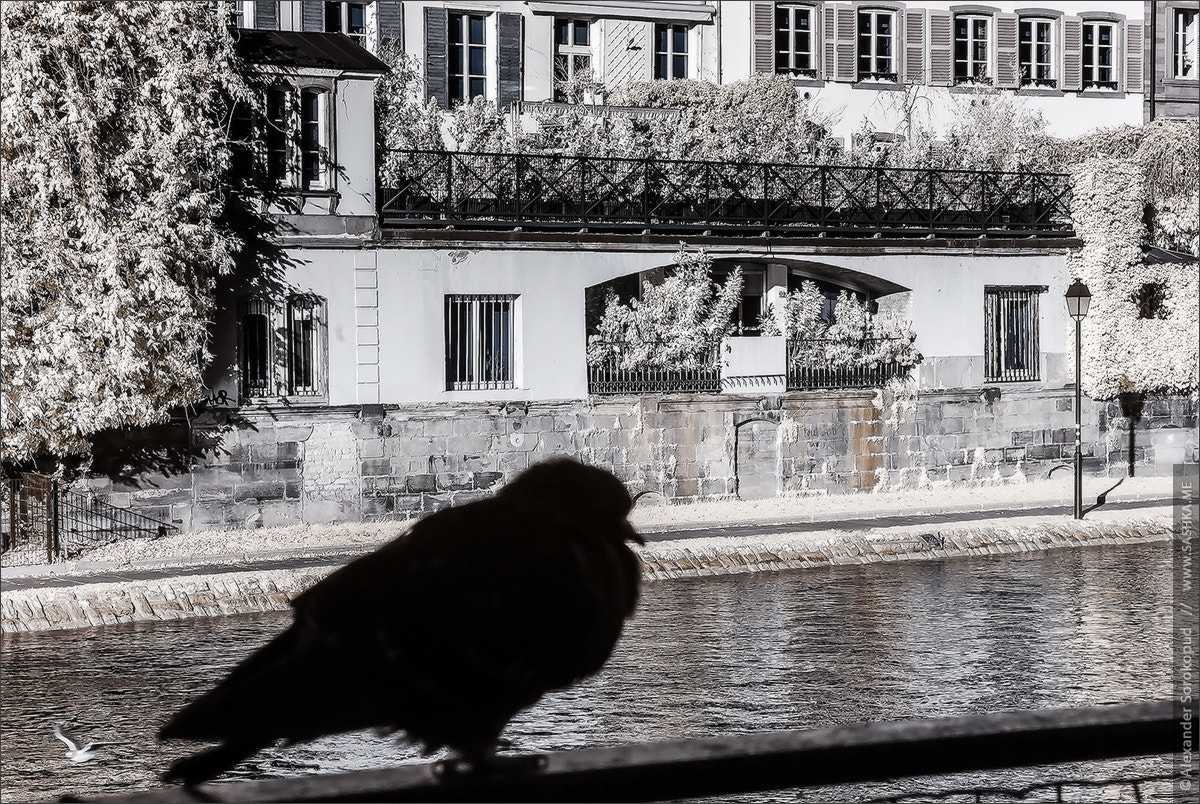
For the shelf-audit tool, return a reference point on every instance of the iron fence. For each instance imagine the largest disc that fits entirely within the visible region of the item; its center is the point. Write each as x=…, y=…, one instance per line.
x=41, y=522
x=548, y=191
x=812, y=366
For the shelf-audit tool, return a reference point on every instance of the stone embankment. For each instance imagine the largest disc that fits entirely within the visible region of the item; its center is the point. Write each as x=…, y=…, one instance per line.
x=81, y=603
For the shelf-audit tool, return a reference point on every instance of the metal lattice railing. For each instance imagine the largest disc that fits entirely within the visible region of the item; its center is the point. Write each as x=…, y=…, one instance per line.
x=547, y=191
x=611, y=375
x=810, y=366
x=40, y=522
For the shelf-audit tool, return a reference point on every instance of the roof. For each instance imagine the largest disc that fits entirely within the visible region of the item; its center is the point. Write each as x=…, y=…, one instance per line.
x=327, y=51
x=1153, y=255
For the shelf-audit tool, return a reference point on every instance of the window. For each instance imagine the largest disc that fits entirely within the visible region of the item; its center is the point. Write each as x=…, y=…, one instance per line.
x=479, y=342
x=290, y=361
x=794, y=41
x=1010, y=340
x=347, y=18
x=1098, y=55
x=572, y=53
x=1151, y=300
x=670, y=51
x=1185, y=51
x=468, y=57
x=296, y=137
x=971, y=49
x=1036, y=52
x=237, y=13
x=876, y=45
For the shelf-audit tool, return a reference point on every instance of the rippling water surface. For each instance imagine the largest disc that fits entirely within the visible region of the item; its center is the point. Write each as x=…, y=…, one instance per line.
x=703, y=657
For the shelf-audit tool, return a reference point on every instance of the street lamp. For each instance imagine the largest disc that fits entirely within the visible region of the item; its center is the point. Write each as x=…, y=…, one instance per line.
x=1078, y=299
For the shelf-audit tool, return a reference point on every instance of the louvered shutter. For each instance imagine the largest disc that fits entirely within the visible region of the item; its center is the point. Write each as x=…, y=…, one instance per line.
x=941, y=48
x=437, y=84
x=829, y=45
x=1134, y=57
x=266, y=15
x=1072, y=54
x=389, y=18
x=312, y=16
x=1008, y=70
x=846, y=62
x=763, y=24
x=508, y=60
x=914, y=46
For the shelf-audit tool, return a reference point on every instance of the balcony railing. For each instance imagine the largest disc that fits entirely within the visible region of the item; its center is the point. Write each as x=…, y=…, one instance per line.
x=809, y=367
x=508, y=191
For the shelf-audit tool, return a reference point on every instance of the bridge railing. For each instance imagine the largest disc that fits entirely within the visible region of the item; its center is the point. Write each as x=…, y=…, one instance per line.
x=550, y=191
x=750, y=763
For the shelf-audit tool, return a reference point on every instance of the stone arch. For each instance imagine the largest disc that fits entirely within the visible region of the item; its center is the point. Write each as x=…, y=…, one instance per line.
x=756, y=457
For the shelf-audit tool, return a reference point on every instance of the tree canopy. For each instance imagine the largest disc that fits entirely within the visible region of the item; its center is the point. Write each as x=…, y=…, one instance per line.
x=114, y=130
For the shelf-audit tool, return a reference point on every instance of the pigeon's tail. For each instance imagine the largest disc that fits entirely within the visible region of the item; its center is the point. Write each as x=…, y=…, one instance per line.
x=208, y=764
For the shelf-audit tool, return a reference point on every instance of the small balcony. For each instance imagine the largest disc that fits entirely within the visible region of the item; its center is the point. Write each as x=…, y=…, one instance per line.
x=755, y=365
x=434, y=189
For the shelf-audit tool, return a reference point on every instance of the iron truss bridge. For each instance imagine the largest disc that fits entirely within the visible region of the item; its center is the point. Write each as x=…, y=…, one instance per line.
x=436, y=189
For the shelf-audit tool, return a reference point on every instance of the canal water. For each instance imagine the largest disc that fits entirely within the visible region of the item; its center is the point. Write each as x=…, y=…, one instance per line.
x=703, y=657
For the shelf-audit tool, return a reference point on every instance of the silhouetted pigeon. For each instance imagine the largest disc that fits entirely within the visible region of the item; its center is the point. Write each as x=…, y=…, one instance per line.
x=445, y=632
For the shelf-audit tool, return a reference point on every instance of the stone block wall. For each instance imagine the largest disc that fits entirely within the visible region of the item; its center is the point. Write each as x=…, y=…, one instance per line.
x=279, y=467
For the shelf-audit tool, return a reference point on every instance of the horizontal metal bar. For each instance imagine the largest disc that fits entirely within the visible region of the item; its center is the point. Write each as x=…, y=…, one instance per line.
x=749, y=762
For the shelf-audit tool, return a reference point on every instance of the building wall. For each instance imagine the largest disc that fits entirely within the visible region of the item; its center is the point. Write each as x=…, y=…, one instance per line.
x=1168, y=95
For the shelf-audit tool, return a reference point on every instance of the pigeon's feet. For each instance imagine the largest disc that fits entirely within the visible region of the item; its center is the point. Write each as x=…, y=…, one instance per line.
x=489, y=765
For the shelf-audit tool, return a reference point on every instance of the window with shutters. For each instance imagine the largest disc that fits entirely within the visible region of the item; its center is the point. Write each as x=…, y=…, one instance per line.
x=1011, y=346
x=1099, y=55
x=572, y=52
x=971, y=48
x=283, y=357
x=480, y=349
x=467, y=50
x=1185, y=51
x=347, y=18
x=877, y=45
x=670, y=51
x=1036, y=52
x=795, y=40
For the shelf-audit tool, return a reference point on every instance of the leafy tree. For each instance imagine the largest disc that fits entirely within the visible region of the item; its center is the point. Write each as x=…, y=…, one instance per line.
x=114, y=129
x=675, y=324
x=403, y=121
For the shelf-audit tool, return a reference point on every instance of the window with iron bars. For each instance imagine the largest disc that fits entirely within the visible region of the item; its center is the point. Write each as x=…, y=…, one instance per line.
x=1011, y=333
x=480, y=347
x=794, y=41
x=288, y=360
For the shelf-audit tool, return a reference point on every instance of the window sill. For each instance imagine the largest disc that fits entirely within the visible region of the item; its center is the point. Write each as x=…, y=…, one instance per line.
x=802, y=81
x=284, y=401
x=1112, y=94
x=875, y=84
x=1040, y=92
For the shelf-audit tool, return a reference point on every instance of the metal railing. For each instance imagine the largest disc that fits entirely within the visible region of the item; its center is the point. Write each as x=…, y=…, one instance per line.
x=547, y=191
x=40, y=522
x=810, y=368
x=1057, y=740
x=609, y=376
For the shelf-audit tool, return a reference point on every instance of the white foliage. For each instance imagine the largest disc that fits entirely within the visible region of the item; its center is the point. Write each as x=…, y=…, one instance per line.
x=113, y=130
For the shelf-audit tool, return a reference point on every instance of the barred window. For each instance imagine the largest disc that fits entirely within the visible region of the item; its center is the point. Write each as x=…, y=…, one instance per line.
x=794, y=41
x=283, y=358
x=479, y=342
x=256, y=349
x=1010, y=338
x=306, y=346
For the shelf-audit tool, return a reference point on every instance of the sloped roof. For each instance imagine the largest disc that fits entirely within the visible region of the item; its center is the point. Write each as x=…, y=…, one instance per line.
x=1153, y=255
x=326, y=51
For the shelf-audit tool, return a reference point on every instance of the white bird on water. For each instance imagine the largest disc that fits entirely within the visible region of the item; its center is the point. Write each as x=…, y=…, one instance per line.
x=77, y=752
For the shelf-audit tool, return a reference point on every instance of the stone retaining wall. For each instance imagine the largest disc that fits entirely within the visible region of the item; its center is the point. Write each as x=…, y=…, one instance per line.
x=286, y=466
x=84, y=605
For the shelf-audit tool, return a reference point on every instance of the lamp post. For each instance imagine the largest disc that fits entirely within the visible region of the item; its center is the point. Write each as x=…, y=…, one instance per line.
x=1078, y=299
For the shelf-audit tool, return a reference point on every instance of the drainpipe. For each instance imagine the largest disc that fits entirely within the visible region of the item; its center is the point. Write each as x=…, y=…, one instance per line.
x=1148, y=43
x=720, y=42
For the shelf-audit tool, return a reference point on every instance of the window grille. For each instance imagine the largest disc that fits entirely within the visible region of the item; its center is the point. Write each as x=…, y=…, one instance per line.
x=1010, y=340
x=1186, y=50
x=468, y=56
x=670, y=51
x=970, y=48
x=1036, y=52
x=876, y=45
x=794, y=41
x=306, y=345
x=256, y=349
x=1098, y=55
x=572, y=53
x=479, y=342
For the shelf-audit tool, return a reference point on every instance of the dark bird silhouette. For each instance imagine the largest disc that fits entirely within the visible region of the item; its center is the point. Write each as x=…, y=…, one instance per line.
x=444, y=633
